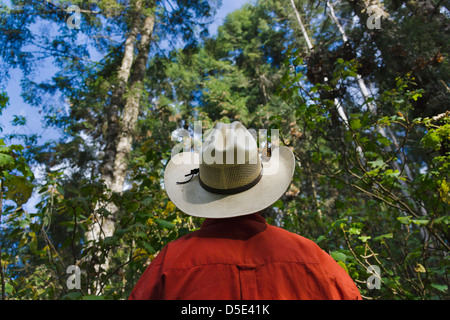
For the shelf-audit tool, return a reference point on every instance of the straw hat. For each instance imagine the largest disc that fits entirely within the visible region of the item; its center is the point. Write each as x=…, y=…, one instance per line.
x=228, y=178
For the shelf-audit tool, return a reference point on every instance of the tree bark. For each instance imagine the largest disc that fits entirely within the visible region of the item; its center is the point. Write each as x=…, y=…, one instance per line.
x=131, y=110
x=120, y=131
x=302, y=27
x=100, y=228
x=116, y=102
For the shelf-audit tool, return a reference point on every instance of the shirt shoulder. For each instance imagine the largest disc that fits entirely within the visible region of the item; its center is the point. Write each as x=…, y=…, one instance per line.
x=273, y=244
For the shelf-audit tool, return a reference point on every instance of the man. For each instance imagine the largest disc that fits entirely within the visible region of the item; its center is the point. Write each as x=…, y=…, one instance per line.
x=235, y=254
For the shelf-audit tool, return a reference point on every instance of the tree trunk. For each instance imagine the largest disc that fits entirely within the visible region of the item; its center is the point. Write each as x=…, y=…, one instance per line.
x=101, y=229
x=120, y=132
x=131, y=110
x=302, y=27
x=116, y=102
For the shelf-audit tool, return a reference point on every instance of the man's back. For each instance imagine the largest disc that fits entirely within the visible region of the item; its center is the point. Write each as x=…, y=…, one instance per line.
x=243, y=258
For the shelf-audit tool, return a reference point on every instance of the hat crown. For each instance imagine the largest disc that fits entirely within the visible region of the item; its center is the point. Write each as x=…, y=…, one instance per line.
x=230, y=157
x=230, y=144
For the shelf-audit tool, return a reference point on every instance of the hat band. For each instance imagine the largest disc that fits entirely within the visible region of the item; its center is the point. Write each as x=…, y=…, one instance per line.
x=232, y=190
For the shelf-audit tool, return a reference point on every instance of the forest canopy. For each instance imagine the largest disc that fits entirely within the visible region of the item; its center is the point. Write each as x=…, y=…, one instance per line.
x=358, y=89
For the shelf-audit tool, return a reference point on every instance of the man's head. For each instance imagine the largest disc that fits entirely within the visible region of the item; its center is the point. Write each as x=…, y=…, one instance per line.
x=228, y=177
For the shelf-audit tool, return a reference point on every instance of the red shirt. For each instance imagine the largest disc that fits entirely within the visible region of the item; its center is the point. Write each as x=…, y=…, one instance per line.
x=243, y=258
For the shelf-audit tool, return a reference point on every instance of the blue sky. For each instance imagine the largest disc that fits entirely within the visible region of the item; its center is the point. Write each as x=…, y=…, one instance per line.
x=17, y=106
x=34, y=119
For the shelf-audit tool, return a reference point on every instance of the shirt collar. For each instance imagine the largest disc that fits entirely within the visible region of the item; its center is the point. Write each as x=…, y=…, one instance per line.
x=254, y=216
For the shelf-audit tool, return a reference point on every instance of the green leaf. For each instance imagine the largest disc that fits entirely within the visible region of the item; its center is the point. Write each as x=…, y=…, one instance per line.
x=416, y=95
x=354, y=231
x=19, y=189
x=6, y=159
x=19, y=120
x=3, y=101
x=278, y=204
x=320, y=239
x=444, y=189
x=165, y=224
x=384, y=141
x=355, y=124
x=33, y=242
x=440, y=287
x=432, y=140
x=379, y=163
x=141, y=235
x=338, y=256
x=342, y=264
x=392, y=173
x=420, y=222
x=371, y=154
x=8, y=288
x=384, y=236
x=339, y=223
x=364, y=238
x=149, y=248
x=24, y=223
x=61, y=191
x=405, y=220
x=443, y=219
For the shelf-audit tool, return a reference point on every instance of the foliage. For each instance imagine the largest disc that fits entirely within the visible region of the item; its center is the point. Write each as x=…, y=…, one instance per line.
x=386, y=220
x=16, y=186
x=371, y=186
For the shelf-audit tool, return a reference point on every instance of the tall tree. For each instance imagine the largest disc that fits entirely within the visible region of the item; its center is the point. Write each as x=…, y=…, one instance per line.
x=103, y=98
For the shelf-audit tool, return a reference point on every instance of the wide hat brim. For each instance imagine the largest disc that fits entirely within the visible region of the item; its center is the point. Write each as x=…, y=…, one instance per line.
x=193, y=200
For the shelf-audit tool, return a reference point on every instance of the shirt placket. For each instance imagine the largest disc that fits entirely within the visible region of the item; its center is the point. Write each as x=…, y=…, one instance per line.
x=247, y=280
